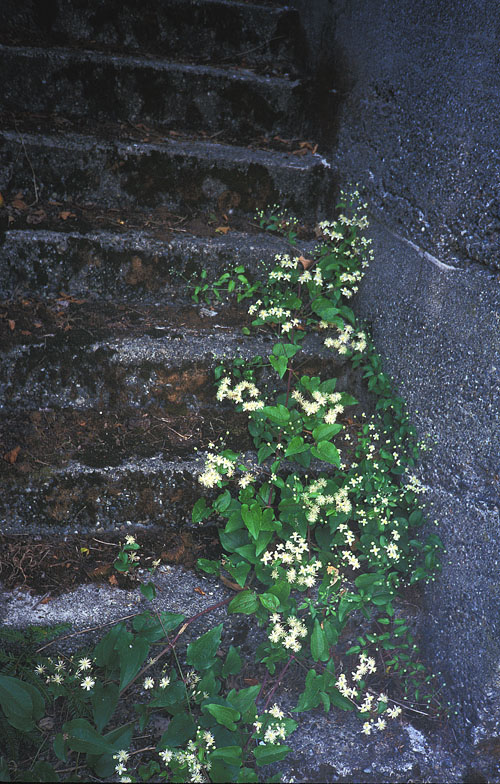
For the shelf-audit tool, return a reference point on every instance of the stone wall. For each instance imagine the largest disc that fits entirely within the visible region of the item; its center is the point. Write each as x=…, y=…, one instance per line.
x=417, y=117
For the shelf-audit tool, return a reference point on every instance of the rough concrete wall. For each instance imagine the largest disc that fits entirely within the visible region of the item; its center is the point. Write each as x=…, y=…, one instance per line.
x=419, y=87
x=418, y=124
x=439, y=330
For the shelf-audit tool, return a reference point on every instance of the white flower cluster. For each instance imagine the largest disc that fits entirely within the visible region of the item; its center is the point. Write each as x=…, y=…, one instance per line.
x=347, y=340
x=314, y=500
x=275, y=730
x=289, y=556
x=57, y=673
x=215, y=467
x=225, y=392
x=414, y=484
x=320, y=400
x=287, y=633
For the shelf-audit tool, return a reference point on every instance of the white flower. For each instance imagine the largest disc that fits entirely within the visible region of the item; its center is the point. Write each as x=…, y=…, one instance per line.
x=164, y=682
x=276, y=712
x=121, y=756
x=148, y=683
x=88, y=683
x=85, y=664
x=166, y=756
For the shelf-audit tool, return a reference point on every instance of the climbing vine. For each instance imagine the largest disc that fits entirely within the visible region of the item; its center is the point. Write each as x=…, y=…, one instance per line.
x=318, y=528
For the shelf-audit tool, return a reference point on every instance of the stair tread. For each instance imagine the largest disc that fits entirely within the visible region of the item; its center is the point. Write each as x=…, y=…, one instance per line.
x=216, y=30
x=133, y=88
x=193, y=148
x=63, y=54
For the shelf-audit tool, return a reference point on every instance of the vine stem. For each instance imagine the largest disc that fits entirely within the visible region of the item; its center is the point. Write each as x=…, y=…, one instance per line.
x=172, y=643
x=278, y=681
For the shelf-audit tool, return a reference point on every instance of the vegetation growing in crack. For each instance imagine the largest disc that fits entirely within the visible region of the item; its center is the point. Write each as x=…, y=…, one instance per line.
x=318, y=529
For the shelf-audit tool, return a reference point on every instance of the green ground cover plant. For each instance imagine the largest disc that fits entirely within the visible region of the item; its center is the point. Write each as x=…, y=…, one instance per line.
x=319, y=534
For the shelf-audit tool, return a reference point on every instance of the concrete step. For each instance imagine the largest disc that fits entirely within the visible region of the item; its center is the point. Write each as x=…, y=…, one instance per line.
x=166, y=364
x=201, y=30
x=131, y=88
x=185, y=176
x=78, y=498
x=132, y=266
x=53, y=438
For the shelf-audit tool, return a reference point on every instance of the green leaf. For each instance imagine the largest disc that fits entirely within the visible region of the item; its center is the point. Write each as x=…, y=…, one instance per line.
x=104, y=651
x=327, y=452
x=326, y=432
x=285, y=350
x=104, y=700
x=103, y=765
x=200, y=511
x=201, y=653
x=148, y=590
x=22, y=703
x=319, y=647
x=239, y=571
x=310, y=696
x=244, y=700
x=247, y=776
x=269, y=601
x=278, y=414
x=245, y=602
x=233, y=663
x=296, y=446
x=280, y=364
x=324, y=308
x=339, y=700
x=281, y=590
x=252, y=517
x=210, y=567
x=230, y=754
x=222, y=501
x=266, y=755
x=131, y=654
x=224, y=715
x=180, y=730
x=83, y=737
x=152, y=628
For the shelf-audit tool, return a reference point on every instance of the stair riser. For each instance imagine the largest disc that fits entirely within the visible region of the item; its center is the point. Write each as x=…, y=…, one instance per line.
x=129, y=268
x=126, y=89
x=149, y=493
x=213, y=31
x=181, y=176
x=174, y=371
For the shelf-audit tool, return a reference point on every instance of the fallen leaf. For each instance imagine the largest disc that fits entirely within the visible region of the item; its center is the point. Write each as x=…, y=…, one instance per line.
x=25, y=332
x=36, y=217
x=2, y=202
x=222, y=229
x=12, y=325
x=55, y=203
x=19, y=204
x=306, y=263
x=11, y=457
x=46, y=600
x=251, y=681
x=198, y=590
x=38, y=324
x=65, y=214
x=112, y=580
x=230, y=584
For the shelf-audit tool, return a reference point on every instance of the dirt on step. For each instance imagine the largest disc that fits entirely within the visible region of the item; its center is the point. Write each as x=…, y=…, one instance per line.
x=51, y=566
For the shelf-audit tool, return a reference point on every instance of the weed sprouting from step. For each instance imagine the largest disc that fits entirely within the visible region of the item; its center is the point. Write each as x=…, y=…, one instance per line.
x=318, y=529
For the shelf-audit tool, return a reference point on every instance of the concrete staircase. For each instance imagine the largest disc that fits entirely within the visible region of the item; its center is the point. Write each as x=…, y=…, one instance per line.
x=130, y=133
